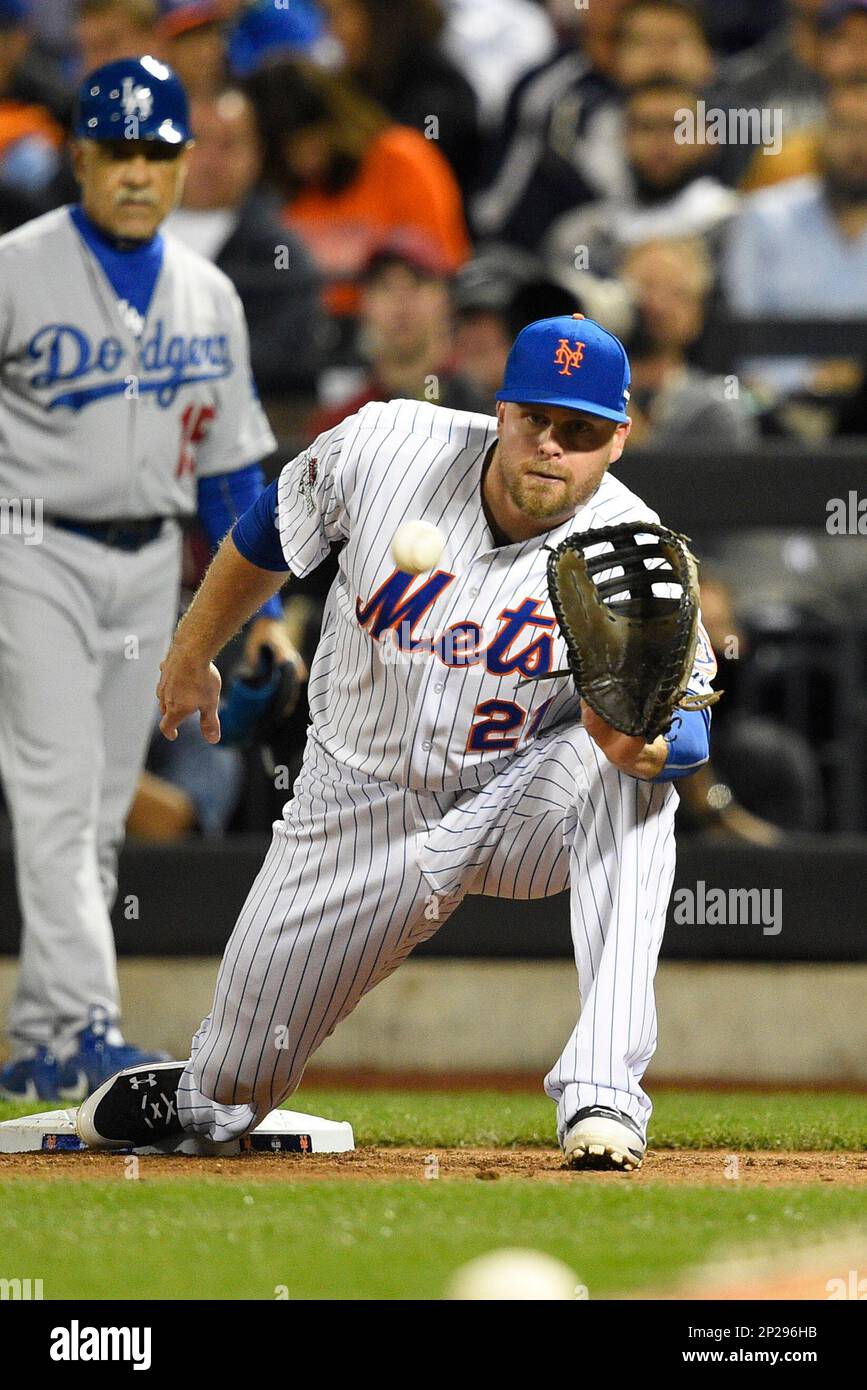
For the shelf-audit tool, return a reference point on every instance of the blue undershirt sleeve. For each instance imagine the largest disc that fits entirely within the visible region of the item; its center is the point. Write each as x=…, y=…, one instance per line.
x=688, y=742
x=255, y=533
x=223, y=500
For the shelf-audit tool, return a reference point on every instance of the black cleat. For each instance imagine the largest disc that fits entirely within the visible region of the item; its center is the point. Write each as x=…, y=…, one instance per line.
x=603, y=1138
x=134, y=1108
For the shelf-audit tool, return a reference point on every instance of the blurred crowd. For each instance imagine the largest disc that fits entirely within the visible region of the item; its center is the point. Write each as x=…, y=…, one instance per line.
x=396, y=187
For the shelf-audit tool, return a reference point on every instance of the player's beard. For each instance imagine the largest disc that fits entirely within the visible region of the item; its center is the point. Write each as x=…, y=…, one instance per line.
x=549, y=501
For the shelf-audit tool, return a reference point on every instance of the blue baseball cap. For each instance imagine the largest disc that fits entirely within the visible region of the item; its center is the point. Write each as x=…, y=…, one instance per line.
x=143, y=91
x=264, y=31
x=570, y=361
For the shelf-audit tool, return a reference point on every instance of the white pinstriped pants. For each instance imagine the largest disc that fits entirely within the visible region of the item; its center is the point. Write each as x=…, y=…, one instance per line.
x=344, y=895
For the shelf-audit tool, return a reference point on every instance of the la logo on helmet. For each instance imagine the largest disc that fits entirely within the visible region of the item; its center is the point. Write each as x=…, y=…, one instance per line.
x=137, y=101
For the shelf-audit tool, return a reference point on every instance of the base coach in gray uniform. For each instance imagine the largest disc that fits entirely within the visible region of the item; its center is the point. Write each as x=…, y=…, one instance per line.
x=126, y=403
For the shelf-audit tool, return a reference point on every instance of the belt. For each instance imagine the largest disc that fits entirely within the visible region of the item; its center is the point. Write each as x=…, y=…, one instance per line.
x=127, y=533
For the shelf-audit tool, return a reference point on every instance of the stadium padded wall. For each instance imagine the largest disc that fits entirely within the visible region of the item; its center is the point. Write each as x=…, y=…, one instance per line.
x=804, y=902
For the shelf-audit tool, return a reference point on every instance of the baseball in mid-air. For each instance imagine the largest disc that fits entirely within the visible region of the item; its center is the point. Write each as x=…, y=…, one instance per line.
x=515, y=1275
x=417, y=546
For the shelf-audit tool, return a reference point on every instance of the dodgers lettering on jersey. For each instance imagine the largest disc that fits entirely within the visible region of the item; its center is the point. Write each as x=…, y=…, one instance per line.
x=104, y=414
x=417, y=678
x=65, y=355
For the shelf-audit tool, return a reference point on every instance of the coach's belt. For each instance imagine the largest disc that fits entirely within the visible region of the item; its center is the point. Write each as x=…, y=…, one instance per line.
x=128, y=533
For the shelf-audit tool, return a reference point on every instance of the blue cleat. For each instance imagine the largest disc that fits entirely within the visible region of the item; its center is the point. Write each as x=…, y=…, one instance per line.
x=97, y=1059
x=31, y=1078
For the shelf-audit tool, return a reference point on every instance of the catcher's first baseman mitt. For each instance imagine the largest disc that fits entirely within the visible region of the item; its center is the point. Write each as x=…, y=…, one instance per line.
x=626, y=600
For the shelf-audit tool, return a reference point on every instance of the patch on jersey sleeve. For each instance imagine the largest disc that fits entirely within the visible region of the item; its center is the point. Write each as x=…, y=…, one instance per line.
x=309, y=470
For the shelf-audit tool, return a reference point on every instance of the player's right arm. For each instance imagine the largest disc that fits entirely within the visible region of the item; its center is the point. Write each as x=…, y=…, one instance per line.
x=289, y=529
x=233, y=589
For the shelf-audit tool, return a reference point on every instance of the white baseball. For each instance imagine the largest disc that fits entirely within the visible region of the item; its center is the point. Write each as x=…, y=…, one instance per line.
x=417, y=546
x=515, y=1275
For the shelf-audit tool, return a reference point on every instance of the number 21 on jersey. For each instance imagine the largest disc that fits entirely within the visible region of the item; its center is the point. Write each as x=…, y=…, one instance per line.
x=501, y=724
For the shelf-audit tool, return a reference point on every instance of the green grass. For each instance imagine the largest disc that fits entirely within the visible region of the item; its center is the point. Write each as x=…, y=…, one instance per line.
x=687, y=1119
x=208, y=1239
x=692, y=1120
x=400, y=1240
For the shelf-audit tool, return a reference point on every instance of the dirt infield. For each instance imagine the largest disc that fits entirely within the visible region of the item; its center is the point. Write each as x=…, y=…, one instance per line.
x=690, y=1167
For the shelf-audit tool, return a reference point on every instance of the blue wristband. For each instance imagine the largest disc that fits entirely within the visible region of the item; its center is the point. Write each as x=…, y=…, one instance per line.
x=688, y=742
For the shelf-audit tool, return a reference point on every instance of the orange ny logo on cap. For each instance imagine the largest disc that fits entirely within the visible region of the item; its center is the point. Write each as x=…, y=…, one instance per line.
x=566, y=357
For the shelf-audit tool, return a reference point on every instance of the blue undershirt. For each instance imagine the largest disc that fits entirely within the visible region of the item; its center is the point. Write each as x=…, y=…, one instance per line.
x=132, y=269
x=255, y=534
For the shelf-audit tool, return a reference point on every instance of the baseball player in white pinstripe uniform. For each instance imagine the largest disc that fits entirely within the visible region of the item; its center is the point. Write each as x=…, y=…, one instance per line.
x=431, y=767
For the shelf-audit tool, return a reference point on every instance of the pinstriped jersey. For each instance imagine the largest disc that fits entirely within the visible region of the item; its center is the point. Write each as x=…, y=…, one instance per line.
x=417, y=679
x=103, y=417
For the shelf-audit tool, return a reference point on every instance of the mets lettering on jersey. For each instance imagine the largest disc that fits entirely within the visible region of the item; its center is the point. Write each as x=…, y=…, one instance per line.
x=514, y=647
x=483, y=619
x=104, y=413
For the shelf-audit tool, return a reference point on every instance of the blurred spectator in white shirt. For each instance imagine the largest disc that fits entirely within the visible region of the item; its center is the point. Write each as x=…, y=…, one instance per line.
x=800, y=247
x=494, y=42
x=672, y=189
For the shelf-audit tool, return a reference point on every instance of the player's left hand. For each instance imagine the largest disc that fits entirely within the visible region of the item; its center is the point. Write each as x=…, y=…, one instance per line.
x=271, y=632
x=632, y=755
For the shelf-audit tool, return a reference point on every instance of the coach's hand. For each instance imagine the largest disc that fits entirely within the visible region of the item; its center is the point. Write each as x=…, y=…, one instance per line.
x=188, y=686
x=632, y=755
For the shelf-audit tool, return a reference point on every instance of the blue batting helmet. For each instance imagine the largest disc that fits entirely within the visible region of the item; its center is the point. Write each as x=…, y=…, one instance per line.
x=133, y=99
